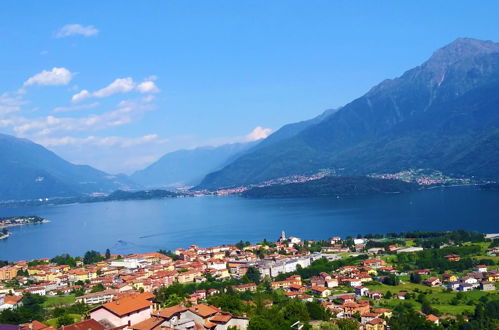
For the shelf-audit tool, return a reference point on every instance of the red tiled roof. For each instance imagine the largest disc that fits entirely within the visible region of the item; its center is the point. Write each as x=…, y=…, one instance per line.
x=85, y=325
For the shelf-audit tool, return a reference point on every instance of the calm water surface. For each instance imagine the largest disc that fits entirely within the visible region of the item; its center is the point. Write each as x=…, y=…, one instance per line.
x=145, y=226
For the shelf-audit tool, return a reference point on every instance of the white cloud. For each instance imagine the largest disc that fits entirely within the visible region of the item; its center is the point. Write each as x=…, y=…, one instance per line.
x=57, y=76
x=147, y=87
x=10, y=103
x=101, y=141
x=124, y=114
x=118, y=86
x=84, y=94
x=258, y=133
x=76, y=29
x=76, y=107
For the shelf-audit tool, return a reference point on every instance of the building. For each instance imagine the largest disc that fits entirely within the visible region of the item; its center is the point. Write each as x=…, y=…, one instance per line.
x=8, y=272
x=487, y=286
x=453, y=257
x=126, y=311
x=433, y=281
x=97, y=297
x=85, y=325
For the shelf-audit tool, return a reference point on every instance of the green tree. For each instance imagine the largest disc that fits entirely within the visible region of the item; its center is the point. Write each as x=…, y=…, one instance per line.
x=64, y=320
x=252, y=275
x=92, y=257
x=108, y=254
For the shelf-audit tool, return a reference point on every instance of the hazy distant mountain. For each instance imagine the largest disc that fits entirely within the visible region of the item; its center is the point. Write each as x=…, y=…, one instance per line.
x=443, y=114
x=188, y=167
x=28, y=170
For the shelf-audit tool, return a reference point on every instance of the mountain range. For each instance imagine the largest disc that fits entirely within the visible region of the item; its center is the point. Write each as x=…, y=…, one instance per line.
x=29, y=171
x=188, y=167
x=443, y=115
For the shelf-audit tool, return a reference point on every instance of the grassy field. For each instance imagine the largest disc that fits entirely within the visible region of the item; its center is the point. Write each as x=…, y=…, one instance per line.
x=53, y=322
x=438, y=297
x=59, y=301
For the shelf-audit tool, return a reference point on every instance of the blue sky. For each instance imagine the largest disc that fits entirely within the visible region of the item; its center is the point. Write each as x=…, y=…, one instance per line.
x=163, y=75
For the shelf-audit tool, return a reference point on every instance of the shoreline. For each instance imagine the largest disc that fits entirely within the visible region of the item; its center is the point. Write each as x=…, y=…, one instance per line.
x=23, y=224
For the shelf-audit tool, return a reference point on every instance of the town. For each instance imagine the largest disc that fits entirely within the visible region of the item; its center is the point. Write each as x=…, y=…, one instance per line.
x=414, y=280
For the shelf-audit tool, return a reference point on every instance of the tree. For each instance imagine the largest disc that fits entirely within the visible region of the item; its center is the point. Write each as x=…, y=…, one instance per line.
x=415, y=278
x=108, y=254
x=64, y=320
x=253, y=275
x=348, y=324
x=92, y=257
x=329, y=326
x=98, y=288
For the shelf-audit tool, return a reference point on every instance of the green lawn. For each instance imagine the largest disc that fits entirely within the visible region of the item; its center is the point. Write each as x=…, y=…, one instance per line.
x=53, y=322
x=59, y=300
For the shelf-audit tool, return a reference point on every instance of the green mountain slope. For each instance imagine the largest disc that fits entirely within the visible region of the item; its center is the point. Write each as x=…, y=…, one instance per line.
x=28, y=170
x=443, y=115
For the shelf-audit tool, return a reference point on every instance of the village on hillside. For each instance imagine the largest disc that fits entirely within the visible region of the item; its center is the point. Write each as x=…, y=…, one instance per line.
x=372, y=282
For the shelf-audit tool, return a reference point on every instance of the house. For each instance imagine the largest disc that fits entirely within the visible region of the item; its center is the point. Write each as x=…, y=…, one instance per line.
x=453, y=257
x=401, y=295
x=376, y=324
x=8, y=272
x=433, y=281
x=433, y=319
x=487, y=286
x=321, y=291
x=152, y=323
x=374, y=263
x=481, y=268
x=211, y=317
x=361, y=290
x=375, y=295
x=464, y=287
x=245, y=287
x=469, y=280
x=85, y=325
x=11, y=302
x=449, y=277
x=125, y=311
x=97, y=297
x=422, y=271
x=346, y=298
x=453, y=285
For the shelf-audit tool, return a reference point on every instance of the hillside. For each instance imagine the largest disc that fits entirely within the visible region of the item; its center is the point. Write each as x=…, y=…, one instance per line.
x=440, y=115
x=332, y=186
x=28, y=170
x=188, y=167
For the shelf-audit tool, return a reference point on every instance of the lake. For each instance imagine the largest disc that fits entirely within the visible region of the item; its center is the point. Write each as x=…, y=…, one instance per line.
x=146, y=226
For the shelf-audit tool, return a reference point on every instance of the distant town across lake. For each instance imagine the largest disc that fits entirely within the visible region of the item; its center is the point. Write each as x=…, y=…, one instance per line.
x=144, y=226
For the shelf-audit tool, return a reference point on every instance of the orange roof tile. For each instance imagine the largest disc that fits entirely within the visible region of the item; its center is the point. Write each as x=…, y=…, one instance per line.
x=147, y=324
x=85, y=325
x=127, y=305
x=170, y=311
x=204, y=310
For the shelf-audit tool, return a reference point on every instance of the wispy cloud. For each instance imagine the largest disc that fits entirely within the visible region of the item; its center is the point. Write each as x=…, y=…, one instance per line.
x=10, y=103
x=76, y=30
x=76, y=107
x=101, y=141
x=118, y=86
x=56, y=76
x=124, y=114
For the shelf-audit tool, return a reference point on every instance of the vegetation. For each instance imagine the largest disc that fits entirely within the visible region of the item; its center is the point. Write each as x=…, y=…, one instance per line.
x=331, y=186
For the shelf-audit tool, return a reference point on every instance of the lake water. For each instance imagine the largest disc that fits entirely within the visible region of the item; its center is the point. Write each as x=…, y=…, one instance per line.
x=146, y=226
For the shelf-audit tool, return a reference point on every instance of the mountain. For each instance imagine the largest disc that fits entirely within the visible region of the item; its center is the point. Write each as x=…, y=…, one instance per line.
x=188, y=167
x=443, y=115
x=332, y=186
x=28, y=170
